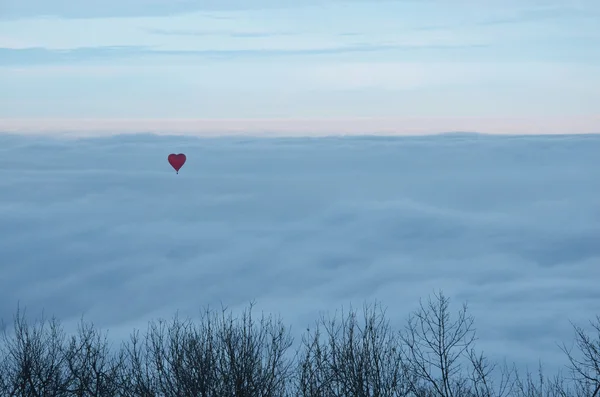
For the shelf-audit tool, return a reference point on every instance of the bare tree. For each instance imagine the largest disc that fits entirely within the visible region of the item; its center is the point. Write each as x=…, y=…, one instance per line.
x=253, y=360
x=585, y=363
x=93, y=370
x=174, y=359
x=33, y=364
x=433, y=345
x=482, y=377
x=352, y=358
x=314, y=372
x=221, y=356
x=137, y=377
x=439, y=352
x=544, y=386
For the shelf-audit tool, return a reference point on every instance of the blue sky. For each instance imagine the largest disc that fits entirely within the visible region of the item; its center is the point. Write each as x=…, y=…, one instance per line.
x=403, y=66
x=104, y=228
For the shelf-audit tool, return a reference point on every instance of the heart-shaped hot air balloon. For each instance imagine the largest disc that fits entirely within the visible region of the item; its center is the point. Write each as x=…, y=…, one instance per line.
x=177, y=161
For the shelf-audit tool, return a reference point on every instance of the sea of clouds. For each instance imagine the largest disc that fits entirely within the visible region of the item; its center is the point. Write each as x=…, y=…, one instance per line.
x=103, y=227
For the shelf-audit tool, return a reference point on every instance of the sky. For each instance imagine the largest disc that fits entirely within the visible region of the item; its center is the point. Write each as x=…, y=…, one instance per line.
x=103, y=227
x=300, y=67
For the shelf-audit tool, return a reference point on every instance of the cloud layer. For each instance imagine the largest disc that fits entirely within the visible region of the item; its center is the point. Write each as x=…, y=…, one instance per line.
x=104, y=227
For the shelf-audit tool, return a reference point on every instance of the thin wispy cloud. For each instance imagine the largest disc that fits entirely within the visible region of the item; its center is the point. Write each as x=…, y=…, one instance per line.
x=36, y=56
x=133, y=8
x=198, y=32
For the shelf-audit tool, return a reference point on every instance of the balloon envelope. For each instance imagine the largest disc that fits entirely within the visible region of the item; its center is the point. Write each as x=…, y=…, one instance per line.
x=177, y=160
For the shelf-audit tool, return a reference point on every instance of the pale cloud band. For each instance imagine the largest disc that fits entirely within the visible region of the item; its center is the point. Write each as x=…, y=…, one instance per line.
x=306, y=127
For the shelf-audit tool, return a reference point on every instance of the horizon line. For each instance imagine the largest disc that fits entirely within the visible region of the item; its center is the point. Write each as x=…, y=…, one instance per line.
x=303, y=127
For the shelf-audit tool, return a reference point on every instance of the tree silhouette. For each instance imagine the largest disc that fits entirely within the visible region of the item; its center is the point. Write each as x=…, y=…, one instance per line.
x=355, y=354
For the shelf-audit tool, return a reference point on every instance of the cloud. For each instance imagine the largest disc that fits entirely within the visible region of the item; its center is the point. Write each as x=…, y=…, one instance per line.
x=104, y=227
x=38, y=55
x=73, y=9
x=129, y=8
x=198, y=32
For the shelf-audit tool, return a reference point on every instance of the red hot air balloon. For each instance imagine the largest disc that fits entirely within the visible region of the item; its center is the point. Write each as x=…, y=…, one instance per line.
x=177, y=160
